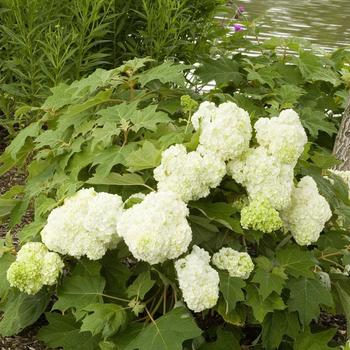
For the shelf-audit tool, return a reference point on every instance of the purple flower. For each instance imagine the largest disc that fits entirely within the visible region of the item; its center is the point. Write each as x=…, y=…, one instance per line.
x=239, y=11
x=237, y=27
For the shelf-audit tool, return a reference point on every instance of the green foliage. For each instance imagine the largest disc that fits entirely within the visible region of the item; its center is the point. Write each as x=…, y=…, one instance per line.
x=21, y=310
x=306, y=296
x=108, y=131
x=166, y=333
x=84, y=287
x=63, y=331
x=45, y=43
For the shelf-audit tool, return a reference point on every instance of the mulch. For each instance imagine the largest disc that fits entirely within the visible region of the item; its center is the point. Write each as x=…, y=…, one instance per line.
x=26, y=340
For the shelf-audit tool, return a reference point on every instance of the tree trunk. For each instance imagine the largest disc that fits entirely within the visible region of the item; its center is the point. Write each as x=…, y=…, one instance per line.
x=342, y=142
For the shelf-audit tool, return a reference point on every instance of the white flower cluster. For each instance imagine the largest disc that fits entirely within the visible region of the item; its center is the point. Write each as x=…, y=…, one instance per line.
x=34, y=267
x=84, y=225
x=284, y=137
x=190, y=175
x=198, y=281
x=308, y=212
x=236, y=263
x=224, y=130
x=156, y=229
x=267, y=173
x=263, y=176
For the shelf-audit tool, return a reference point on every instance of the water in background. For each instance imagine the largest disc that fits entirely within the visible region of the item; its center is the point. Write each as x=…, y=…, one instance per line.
x=323, y=22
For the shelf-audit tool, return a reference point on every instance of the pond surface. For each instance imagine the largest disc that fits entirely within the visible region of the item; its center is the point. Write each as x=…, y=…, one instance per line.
x=323, y=22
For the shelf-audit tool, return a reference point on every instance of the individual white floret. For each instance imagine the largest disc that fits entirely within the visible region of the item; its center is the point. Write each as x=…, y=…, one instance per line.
x=198, y=281
x=263, y=176
x=34, y=267
x=84, y=225
x=225, y=131
x=156, y=229
x=237, y=264
x=204, y=115
x=190, y=175
x=308, y=212
x=284, y=136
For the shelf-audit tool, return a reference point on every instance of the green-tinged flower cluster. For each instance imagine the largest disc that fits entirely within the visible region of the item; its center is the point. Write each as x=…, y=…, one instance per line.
x=34, y=267
x=188, y=104
x=237, y=264
x=260, y=215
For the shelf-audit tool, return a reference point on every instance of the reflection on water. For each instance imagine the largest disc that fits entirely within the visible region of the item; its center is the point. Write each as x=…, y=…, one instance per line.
x=323, y=22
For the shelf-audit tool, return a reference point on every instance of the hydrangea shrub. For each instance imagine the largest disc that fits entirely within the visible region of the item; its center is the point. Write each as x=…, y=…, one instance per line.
x=166, y=221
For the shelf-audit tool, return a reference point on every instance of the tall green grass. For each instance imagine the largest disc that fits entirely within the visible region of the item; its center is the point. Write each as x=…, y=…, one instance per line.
x=45, y=42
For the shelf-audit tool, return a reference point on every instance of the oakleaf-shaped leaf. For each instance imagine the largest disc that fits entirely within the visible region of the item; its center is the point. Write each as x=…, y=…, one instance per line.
x=104, y=319
x=64, y=332
x=146, y=157
x=167, y=332
x=142, y=284
x=5, y=261
x=271, y=279
x=295, y=261
x=167, y=72
x=231, y=289
x=21, y=310
x=277, y=324
x=260, y=306
x=19, y=141
x=84, y=287
x=314, y=341
x=222, y=70
x=225, y=341
x=344, y=298
x=306, y=296
x=148, y=118
x=116, y=179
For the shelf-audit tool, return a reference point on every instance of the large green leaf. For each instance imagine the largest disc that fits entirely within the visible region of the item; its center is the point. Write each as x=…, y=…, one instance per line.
x=114, y=114
x=64, y=332
x=167, y=72
x=220, y=212
x=231, y=289
x=5, y=261
x=142, y=284
x=148, y=118
x=21, y=310
x=20, y=140
x=276, y=325
x=104, y=319
x=314, y=341
x=260, y=306
x=167, y=332
x=306, y=296
x=116, y=179
x=270, y=278
x=344, y=298
x=146, y=157
x=312, y=68
x=296, y=261
x=315, y=121
x=223, y=70
x=6, y=207
x=116, y=273
x=225, y=341
x=84, y=287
